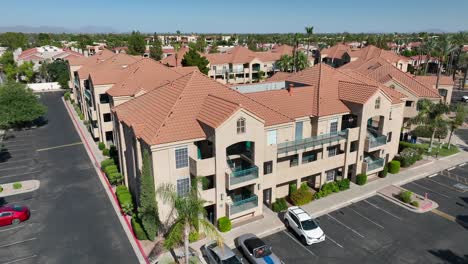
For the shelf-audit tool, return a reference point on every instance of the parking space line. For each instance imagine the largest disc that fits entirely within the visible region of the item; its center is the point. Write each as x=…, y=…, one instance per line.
x=338, y=221
x=61, y=146
x=446, y=186
x=20, y=259
x=444, y=215
x=21, y=174
x=12, y=168
x=449, y=169
x=19, y=242
x=430, y=190
x=433, y=175
x=16, y=161
x=295, y=240
x=12, y=228
x=365, y=217
x=461, y=165
x=383, y=210
x=16, y=145
x=336, y=243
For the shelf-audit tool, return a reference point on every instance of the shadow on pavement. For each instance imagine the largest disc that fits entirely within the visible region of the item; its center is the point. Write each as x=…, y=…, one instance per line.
x=447, y=256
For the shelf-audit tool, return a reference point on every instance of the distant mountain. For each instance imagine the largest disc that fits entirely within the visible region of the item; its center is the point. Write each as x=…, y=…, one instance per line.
x=55, y=29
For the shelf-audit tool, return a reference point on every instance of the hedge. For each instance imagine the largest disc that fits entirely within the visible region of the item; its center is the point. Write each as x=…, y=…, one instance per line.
x=394, y=166
x=224, y=224
x=301, y=196
x=66, y=96
x=332, y=187
x=101, y=145
x=405, y=196
x=383, y=174
x=111, y=169
x=280, y=205
x=125, y=199
x=361, y=179
x=106, y=152
x=404, y=145
x=106, y=163
x=138, y=229
x=343, y=184
x=409, y=156
x=120, y=188
x=115, y=178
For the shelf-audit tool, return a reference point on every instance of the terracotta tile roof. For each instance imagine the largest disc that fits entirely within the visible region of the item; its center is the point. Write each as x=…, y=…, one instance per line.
x=113, y=69
x=431, y=80
x=371, y=52
x=170, y=113
x=215, y=110
x=336, y=52
x=279, y=76
x=171, y=60
x=92, y=60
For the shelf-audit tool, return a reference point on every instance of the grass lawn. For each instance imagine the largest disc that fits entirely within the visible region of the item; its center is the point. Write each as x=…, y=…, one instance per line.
x=443, y=151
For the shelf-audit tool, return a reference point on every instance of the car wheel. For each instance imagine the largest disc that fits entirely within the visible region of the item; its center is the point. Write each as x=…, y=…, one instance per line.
x=303, y=240
x=15, y=221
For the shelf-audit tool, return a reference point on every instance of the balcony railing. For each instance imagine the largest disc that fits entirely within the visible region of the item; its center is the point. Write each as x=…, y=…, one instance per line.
x=243, y=205
x=377, y=141
x=224, y=71
x=87, y=94
x=243, y=175
x=374, y=163
x=291, y=146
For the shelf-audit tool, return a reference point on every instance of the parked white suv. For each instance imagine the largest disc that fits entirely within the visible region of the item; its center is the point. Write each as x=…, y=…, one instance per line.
x=304, y=225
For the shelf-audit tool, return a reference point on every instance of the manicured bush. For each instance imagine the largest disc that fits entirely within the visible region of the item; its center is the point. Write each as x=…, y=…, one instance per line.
x=415, y=204
x=101, y=145
x=394, y=166
x=292, y=188
x=304, y=186
x=115, y=178
x=405, y=196
x=1, y=189
x=138, y=229
x=17, y=185
x=194, y=236
x=343, y=184
x=224, y=224
x=66, y=96
x=81, y=116
x=125, y=199
x=404, y=145
x=105, y=152
x=279, y=205
x=301, y=196
x=111, y=169
x=120, y=188
x=383, y=174
x=361, y=179
x=408, y=157
x=106, y=163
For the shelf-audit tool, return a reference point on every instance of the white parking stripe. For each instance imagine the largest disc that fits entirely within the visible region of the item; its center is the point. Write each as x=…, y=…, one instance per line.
x=365, y=217
x=21, y=174
x=16, y=161
x=383, y=210
x=295, y=240
x=433, y=175
x=461, y=165
x=443, y=195
x=12, y=168
x=20, y=259
x=336, y=243
x=19, y=242
x=449, y=169
x=446, y=186
x=338, y=221
x=12, y=228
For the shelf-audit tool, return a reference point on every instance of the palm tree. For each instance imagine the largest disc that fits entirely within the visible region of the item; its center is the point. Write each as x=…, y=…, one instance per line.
x=431, y=115
x=309, y=32
x=296, y=45
x=285, y=63
x=189, y=216
x=464, y=66
x=428, y=46
x=444, y=48
x=456, y=122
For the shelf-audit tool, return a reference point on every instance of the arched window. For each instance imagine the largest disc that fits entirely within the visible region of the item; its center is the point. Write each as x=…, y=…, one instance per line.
x=377, y=103
x=241, y=125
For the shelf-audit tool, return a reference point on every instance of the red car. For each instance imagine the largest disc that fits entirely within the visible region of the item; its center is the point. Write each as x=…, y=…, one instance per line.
x=13, y=215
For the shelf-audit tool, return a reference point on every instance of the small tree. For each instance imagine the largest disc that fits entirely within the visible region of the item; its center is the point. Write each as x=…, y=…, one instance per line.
x=193, y=58
x=136, y=43
x=26, y=71
x=58, y=72
x=156, y=51
x=148, y=209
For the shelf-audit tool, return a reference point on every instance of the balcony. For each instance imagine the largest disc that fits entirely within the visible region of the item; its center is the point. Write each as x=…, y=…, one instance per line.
x=242, y=205
x=294, y=146
x=202, y=167
x=238, y=176
x=374, y=140
x=87, y=94
x=372, y=163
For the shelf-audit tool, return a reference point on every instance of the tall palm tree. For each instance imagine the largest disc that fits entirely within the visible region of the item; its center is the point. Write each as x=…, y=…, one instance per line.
x=464, y=65
x=456, y=122
x=459, y=40
x=444, y=49
x=309, y=32
x=428, y=46
x=296, y=45
x=189, y=216
x=431, y=115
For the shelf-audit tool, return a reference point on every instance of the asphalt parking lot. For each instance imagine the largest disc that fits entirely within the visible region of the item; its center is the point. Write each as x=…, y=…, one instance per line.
x=378, y=231
x=72, y=219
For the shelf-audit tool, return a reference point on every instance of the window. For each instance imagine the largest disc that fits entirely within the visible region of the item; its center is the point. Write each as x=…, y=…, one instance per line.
x=183, y=186
x=271, y=137
x=104, y=98
x=353, y=147
x=409, y=103
x=333, y=127
x=294, y=161
x=389, y=136
x=109, y=136
x=309, y=156
x=107, y=117
x=331, y=174
x=332, y=151
x=267, y=167
x=377, y=103
x=241, y=125
x=299, y=128
x=294, y=218
x=181, y=157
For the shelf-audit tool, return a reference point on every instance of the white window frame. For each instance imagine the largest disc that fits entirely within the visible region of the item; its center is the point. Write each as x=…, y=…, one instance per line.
x=178, y=157
x=331, y=124
x=241, y=125
x=272, y=137
x=183, y=186
x=332, y=173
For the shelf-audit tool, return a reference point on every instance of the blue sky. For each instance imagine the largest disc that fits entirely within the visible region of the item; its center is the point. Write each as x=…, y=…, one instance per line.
x=241, y=15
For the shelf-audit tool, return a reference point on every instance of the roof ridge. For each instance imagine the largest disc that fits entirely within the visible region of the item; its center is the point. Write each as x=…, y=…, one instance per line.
x=412, y=78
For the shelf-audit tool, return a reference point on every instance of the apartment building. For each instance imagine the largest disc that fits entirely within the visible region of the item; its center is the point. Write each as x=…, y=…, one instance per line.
x=39, y=55
x=317, y=126
x=342, y=54
x=241, y=65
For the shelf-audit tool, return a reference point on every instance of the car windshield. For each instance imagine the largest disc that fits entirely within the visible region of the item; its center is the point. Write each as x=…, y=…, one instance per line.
x=309, y=224
x=231, y=260
x=262, y=252
x=17, y=208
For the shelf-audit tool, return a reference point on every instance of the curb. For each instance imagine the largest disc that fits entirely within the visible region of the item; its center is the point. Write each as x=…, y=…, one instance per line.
x=137, y=248
x=407, y=206
x=19, y=191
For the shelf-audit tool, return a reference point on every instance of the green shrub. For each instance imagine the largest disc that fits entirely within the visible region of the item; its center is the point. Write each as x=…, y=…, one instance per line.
x=279, y=205
x=106, y=152
x=81, y=116
x=415, y=204
x=101, y=145
x=319, y=194
x=115, y=178
x=304, y=186
x=1, y=189
x=361, y=179
x=106, y=163
x=111, y=169
x=138, y=229
x=343, y=184
x=17, y=185
x=224, y=224
x=292, y=188
x=394, y=166
x=125, y=199
x=194, y=236
x=66, y=96
x=301, y=197
x=404, y=145
x=383, y=174
x=408, y=157
x=405, y=196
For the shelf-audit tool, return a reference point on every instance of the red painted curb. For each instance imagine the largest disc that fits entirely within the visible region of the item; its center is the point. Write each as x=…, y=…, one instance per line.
x=107, y=182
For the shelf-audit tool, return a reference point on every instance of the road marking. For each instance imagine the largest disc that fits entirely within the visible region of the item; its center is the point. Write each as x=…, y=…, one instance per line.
x=338, y=221
x=16, y=161
x=444, y=215
x=295, y=240
x=8, y=229
x=20, y=259
x=433, y=175
x=19, y=242
x=461, y=165
x=446, y=186
x=61, y=146
x=366, y=218
x=336, y=243
x=383, y=210
x=430, y=189
x=12, y=168
x=21, y=174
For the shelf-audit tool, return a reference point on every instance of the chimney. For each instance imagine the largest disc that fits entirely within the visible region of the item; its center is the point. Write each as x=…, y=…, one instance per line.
x=290, y=89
